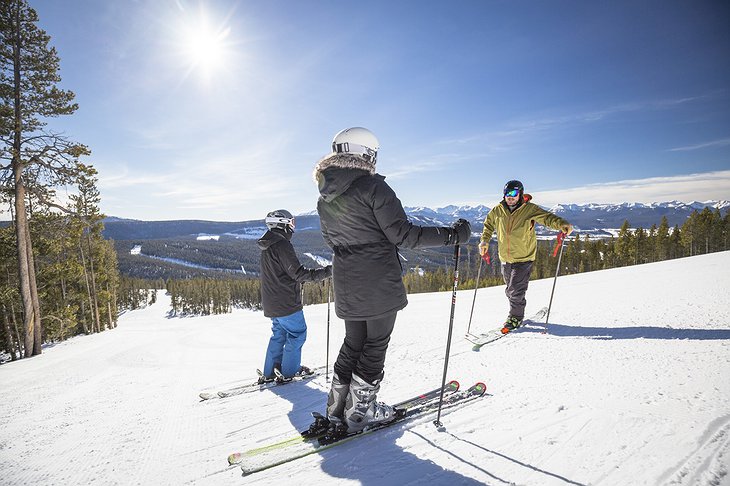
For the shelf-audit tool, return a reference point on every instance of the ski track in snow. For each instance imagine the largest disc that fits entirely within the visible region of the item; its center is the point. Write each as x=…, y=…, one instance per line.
x=629, y=386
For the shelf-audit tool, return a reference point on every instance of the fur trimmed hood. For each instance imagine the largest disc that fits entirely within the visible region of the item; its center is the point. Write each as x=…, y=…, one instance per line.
x=337, y=171
x=343, y=161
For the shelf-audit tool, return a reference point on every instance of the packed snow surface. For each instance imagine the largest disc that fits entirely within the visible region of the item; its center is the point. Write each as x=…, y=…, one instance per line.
x=630, y=385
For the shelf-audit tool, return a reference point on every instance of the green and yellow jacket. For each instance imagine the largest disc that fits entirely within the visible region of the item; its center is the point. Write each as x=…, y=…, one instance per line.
x=516, y=230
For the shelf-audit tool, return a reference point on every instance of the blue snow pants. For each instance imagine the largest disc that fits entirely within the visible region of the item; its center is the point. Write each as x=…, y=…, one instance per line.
x=288, y=334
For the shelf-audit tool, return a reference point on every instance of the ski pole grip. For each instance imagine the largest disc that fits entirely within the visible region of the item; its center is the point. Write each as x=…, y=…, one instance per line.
x=559, y=243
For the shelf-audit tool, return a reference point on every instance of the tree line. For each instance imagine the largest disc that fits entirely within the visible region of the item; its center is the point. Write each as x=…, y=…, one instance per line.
x=58, y=276
x=704, y=231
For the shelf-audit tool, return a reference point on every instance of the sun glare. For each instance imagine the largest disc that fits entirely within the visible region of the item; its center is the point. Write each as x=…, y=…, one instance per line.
x=204, y=47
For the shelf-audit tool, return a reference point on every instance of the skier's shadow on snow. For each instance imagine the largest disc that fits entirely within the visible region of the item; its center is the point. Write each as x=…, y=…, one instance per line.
x=640, y=332
x=515, y=461
x=372, y=460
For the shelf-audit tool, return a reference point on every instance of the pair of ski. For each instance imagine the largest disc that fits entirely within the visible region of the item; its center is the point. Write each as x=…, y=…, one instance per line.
x=299, y=446
x=256, y=386
x=490, y=336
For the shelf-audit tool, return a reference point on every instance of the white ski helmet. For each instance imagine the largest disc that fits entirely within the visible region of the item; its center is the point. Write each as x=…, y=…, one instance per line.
x=356, y=140
x=281, y=219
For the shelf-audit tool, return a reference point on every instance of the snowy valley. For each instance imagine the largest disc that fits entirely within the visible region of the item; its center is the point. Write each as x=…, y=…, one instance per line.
x=627, y=385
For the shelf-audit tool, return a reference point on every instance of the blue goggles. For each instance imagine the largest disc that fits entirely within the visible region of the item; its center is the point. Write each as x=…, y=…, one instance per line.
x=512, y=193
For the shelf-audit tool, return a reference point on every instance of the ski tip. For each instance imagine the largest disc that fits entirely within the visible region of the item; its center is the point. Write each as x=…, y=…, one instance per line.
x=234, y=458
x=453, y=385
x=206, y=396
x=476, y=348
x=479, y=388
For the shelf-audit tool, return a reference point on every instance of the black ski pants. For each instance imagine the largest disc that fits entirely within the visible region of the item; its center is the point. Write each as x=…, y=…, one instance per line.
x=517, y=277
x=364, y=348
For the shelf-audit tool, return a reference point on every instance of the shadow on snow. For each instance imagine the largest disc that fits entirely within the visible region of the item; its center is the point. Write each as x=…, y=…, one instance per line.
x=639, y=332
x=372, y=460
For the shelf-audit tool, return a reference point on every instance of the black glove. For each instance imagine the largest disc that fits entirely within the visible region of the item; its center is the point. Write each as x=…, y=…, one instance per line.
x=460, y=232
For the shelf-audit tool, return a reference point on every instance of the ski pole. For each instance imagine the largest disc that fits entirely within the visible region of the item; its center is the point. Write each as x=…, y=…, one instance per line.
x=476, y=286
x=327, y=359
x=437, y=422
x=558, y=245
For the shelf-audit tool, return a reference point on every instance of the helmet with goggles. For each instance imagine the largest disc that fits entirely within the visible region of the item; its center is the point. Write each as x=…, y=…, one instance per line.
x=358, y=141
x=513, y=189
x=280, y=219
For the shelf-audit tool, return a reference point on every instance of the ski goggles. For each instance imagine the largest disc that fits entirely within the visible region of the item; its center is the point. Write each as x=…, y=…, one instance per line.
x=354, y=148
x=280, y=220
x=512, y=193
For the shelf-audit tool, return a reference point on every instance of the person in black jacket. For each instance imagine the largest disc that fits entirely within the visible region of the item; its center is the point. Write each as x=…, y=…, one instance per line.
x=281, y=278
x=364, y=223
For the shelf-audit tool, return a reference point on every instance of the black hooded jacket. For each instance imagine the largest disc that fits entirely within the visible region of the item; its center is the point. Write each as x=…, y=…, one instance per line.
x=282, y=274
x=364, y=223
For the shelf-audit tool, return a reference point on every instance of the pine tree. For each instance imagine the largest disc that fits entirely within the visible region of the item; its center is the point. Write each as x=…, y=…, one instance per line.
x=624, y=248
x=661, y=242
x=37, y=159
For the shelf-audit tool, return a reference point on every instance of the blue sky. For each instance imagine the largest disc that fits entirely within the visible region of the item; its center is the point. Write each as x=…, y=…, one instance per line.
x=219, y=110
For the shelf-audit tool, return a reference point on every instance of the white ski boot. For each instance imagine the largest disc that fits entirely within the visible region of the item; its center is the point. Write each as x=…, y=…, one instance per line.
x=361, y=408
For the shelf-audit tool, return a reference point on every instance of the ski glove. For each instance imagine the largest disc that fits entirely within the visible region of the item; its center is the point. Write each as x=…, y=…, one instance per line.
x=567, y=229
x=483, y=248
x=459, y=232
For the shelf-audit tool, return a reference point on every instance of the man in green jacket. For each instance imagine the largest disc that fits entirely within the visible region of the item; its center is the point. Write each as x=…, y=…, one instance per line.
x=514, y=219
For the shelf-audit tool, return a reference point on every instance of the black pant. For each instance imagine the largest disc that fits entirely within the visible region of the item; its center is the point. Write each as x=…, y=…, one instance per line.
x=517, y=277
x=364, y=348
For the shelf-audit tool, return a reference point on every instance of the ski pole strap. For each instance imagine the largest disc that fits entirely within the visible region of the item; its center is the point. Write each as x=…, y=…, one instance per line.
x=559, y=243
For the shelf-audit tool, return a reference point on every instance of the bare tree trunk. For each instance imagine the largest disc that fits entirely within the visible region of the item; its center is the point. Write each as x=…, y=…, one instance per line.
x=94, y=292
x=37, y=327
x=115, y=305
x=18, y=341
x=88, y=287
x=109, y=308
x=83, y=317
x=9, y=346
x=21, y=233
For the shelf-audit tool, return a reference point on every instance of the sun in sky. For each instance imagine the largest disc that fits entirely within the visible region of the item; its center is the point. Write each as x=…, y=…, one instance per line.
x=204, y=45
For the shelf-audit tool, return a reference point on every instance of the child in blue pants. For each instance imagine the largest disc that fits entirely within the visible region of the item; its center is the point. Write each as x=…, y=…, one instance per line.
x=281, y=279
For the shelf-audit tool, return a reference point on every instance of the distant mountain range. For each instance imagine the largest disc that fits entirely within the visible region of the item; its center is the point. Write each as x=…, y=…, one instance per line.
x=588, y=218
x=189, y=248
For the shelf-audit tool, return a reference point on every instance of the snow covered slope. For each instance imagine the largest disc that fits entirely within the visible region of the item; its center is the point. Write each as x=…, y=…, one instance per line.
x=629, y=386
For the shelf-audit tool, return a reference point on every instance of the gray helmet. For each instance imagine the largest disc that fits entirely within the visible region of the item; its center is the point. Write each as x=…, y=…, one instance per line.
x=281, y=219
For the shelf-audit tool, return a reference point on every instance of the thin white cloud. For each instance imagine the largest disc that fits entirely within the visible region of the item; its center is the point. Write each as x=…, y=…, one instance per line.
x=715, y=143
x=685, y=188
x=498, y=139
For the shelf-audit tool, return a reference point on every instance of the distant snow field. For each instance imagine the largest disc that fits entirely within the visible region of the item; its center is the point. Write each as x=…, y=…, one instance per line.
x=630, y=385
